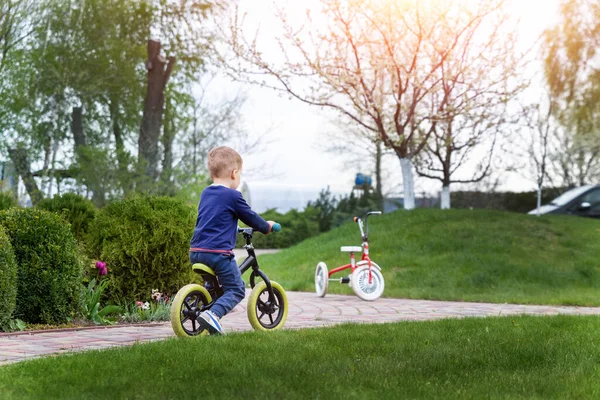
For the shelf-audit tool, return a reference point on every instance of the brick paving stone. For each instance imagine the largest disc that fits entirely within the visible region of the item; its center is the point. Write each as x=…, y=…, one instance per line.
x=306, y=310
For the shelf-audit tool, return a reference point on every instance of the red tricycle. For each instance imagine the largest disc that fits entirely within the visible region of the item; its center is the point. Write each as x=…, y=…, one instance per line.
x=365, y=277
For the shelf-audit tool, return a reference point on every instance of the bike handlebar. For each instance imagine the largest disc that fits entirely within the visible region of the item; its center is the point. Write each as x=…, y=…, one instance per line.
x=275, y=228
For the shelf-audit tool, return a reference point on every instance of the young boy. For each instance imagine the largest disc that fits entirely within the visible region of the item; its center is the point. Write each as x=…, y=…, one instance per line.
x=221, y=205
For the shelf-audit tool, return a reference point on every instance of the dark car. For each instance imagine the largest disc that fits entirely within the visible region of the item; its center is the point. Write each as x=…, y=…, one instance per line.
x=583, y=201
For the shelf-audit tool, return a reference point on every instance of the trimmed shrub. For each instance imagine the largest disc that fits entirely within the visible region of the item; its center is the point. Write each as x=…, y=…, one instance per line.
x=8, y=279
x=49, y=268
x=145, y=243
x=76, y=209
x=7, y=200
x=521, y=202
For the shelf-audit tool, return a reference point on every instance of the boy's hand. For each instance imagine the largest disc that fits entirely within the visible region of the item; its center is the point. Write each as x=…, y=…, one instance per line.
x=271, y=223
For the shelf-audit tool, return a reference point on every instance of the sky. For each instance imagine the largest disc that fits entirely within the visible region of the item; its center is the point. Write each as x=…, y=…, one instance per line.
x=295, y=159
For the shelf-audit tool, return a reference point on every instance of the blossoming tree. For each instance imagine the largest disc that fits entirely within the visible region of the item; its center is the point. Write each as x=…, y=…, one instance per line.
x=377, y=63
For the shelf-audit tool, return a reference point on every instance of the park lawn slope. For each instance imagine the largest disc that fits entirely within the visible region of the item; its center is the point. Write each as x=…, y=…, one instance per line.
x=508, y=357
x=470, y=255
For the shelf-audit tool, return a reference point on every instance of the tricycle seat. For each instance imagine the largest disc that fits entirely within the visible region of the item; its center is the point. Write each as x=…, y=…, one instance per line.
x=351, y=249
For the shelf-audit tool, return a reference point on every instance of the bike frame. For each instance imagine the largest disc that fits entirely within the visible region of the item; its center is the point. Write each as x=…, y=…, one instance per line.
x=252, y=262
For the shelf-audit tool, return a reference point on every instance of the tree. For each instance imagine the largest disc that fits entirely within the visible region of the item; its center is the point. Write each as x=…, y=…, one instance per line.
x=478, y=80
x=572, y=70
x=537, y=143
x=376, y=63
x=76, y=93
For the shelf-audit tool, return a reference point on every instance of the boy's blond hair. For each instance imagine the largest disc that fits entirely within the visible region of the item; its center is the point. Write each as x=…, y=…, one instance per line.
x=222, y=160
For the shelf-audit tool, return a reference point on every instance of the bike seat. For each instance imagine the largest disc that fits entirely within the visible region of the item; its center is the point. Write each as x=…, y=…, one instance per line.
x=351, y=249
x=203, y=269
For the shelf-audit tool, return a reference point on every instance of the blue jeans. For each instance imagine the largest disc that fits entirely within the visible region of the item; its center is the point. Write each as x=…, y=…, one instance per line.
x=234, y=288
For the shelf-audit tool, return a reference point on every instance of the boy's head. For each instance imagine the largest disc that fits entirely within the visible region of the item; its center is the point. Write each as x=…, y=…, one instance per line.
x=225, y=166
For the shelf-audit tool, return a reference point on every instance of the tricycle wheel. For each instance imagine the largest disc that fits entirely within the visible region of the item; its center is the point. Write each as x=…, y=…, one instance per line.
x=186, y=306
x=263, y=314
x=321, y=279
x=365, y=288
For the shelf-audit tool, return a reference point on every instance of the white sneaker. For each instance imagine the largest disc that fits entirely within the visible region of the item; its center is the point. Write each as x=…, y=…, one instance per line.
x=210, y=321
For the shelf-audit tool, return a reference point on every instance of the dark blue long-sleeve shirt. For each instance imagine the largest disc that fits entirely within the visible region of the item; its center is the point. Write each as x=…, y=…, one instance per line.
x=218, y=213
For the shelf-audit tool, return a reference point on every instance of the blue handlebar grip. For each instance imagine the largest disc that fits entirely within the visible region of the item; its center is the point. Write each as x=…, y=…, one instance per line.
x=276, y=227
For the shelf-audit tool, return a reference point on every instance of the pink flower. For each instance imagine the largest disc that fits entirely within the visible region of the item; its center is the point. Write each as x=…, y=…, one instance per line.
x=139, y=304
x=101, y=266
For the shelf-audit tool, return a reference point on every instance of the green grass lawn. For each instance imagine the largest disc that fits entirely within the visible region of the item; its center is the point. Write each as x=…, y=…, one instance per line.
x=508, y=357
x=461, y=255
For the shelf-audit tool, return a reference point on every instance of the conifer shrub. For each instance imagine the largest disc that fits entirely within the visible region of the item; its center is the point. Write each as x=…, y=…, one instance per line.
x=8, y=279
x=145, y=243
x=76, y=209
x=49, y=268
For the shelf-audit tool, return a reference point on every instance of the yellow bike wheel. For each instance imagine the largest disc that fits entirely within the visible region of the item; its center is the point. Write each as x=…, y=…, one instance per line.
x=264, y=315
x=185, y=308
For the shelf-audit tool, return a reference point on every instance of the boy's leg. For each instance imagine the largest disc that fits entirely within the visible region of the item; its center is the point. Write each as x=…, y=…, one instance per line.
x=234, y=288
x=231, y=281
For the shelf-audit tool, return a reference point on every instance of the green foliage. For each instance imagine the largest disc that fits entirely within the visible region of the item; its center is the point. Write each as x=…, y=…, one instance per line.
x=76, y=209
x=7, y=200
x=150, y=311
x=521, y=202
x=93, y=312
x=15, y=325
x=8, y=279
x=355, y=206
x=325, y=207
x=570, y=54
x=144, y=241
x=49, y=265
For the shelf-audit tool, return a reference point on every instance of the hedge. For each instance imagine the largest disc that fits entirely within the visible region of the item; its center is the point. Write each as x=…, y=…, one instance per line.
x=49, y=268
x=8, y=279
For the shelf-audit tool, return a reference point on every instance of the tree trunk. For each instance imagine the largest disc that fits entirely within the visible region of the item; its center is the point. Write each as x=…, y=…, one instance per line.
x=85, y=163
x=158, y=76
x=539, y=199
x=167, y=142
x=408, y=183
x=445, y=197
x=77, y=129
x=118, y=135
x=22, y=166
x=378, y=156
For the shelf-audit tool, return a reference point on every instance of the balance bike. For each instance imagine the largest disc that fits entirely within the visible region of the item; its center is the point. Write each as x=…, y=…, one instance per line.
x=267, y=305
x=365, y=277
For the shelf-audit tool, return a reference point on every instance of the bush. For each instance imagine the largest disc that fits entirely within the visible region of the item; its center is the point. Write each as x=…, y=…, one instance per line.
x=145, y=243
x=49, y=268
x=76, y=209
x=8, y=279
x=7, y=200
x=521, y=202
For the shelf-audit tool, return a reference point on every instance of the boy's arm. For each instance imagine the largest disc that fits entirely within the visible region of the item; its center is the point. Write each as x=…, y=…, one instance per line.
x=249, y=217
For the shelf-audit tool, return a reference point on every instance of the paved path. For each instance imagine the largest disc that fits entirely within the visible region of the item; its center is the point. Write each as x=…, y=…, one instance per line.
x=306, y=310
